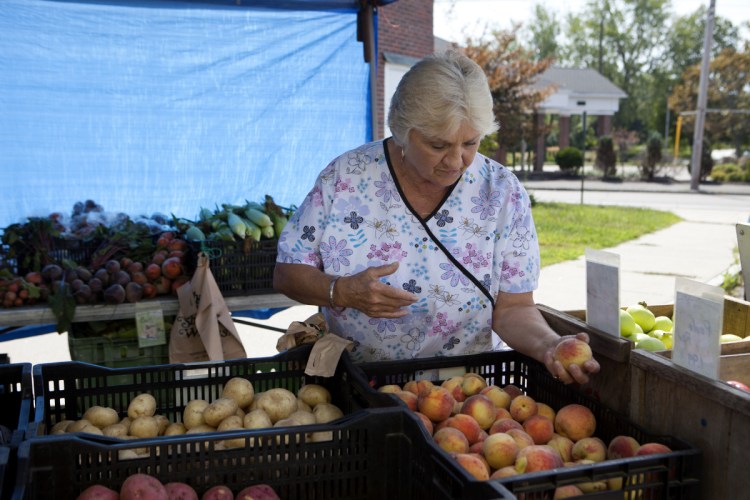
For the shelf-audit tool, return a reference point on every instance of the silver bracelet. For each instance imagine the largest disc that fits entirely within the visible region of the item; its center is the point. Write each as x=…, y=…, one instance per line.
x=330, y=294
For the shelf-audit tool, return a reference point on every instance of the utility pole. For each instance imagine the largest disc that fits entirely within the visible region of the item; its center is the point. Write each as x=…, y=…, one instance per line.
x=700, y=116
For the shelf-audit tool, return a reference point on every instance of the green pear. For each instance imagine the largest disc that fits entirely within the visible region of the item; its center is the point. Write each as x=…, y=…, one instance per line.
x=643, y=316
x=729, y=337
x=627, y=324
x=657, y=334
x=668, y=340
x=663, y=323
x=651, y=344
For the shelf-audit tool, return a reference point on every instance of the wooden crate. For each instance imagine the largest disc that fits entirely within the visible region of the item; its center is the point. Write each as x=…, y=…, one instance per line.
x=709, y=414
x=612, y=353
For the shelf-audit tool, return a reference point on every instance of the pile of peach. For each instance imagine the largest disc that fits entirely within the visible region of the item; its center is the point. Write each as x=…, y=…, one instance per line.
x=496, y=432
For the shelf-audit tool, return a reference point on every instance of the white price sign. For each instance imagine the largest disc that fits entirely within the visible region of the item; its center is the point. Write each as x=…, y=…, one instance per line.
x=698, y=316
x=603, y=291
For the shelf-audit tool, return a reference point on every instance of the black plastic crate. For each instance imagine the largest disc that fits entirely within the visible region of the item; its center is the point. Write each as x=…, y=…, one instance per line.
x=61, y=250
x=16, y=410
x=239, y=268
x=64, y=391
x=375, y=454
x=673, y=475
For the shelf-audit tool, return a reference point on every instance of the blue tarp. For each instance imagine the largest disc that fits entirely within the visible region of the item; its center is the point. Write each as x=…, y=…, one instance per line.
x=167, y=106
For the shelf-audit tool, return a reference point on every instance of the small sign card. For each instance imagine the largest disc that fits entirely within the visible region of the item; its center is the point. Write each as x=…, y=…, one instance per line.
x=603, y=291
x=698, y=316
x=149, y=322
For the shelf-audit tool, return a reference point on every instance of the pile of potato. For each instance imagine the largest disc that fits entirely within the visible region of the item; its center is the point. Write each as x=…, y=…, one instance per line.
x=238, y=407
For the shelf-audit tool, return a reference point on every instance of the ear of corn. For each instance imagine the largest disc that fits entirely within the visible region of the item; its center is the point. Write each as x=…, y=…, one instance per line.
x=252, y=230
x=257, y=217
x=236, y=224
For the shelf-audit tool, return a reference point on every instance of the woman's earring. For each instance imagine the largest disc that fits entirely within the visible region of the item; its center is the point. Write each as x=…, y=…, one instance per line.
x=403, y=154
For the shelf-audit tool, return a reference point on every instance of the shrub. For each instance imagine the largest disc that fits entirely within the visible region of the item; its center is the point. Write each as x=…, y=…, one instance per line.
x=569, y=159
x=606, y=159
x=707, y=163
x=652, y=158
x=729, y=172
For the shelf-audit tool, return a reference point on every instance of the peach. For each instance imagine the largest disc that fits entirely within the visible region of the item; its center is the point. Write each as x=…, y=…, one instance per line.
x=540, y=428
x=503, y=425
x=567, y=491
x=506, y=471
x=499, y=397
x=474, y=465
x=453, y=385
x=171, y=268
x=473, y=383
x=451, y=440
x=575, y=421
x=502, y=413
x=522, y=437
x=409, y=398
x=546, y=410
x=570, y=351
x=513, y=390
x=481, y=408
x=466, y=424
x=426, y=422
x=522, y=407
x=476, y=447
x=436, y=404
x=622, y=447
x=588, y=487
x=537, y=457
x=652, y=448
x=389, y=388
x=564, y=447
x=418, y=386
x=500, y=450
x=589, y=448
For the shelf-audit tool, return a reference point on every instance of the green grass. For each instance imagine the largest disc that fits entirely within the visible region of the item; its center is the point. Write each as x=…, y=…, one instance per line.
x=566, y=230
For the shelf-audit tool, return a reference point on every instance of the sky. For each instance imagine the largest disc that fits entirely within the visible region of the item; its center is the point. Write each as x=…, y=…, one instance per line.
x=454, y=19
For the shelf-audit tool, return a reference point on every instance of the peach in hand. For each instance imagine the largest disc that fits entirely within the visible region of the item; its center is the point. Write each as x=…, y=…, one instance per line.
x=571, y=351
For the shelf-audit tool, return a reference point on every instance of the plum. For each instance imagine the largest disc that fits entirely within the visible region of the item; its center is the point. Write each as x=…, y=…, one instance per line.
x=133, y=292
x=144, y=487
x=114, y=294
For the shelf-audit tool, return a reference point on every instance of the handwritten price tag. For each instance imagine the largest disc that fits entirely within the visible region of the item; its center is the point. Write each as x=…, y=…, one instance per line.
x=149, y=322
x=698, y=314
x=603, y=291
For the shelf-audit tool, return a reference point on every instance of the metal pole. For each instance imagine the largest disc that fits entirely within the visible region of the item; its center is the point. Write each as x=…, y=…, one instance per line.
x=700, y=116
x=583, y=166
x=372, y=59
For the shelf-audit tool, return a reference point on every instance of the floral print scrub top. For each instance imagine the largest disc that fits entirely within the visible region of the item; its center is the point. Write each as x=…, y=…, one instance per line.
x=479, y=241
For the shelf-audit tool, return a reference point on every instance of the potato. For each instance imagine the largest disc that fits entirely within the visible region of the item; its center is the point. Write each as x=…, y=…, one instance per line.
x=325, y=412
x=143, y=405
x=175, y=429
x=218, y=493
x=278, y=403
x=101, y=416
x=92, y=429
x=314, y=394
x=126, y=422
x=78, y=425
x=61, y=427
x=180, y=491
x=232, y=423
x=192, y=415
x=127, y=454
x=144, y=427
x=257, y=419
x=302, y=406
x=240, y=412
x=257, y=492
x=303, y=417
x=163, y=422
x=142, y=486
x=98, y=492
x=219, y=410
x=239, y=389
x=201, y=428
x=115, y=430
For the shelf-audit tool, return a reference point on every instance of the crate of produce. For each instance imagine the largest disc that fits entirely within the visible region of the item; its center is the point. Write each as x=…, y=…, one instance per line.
x=709, y=414
x=376, y=454
x=66, y=390
x=16, y=411
x=672, y=474
x=239, y=267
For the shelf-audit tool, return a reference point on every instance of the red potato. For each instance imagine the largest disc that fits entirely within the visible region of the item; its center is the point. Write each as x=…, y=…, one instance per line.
x=143, y=487
x=219, y=492
x=180, y=491
x=98, y=492
x=257, y=492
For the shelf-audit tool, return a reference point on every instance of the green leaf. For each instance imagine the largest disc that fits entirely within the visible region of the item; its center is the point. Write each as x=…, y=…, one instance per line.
x=63, y=306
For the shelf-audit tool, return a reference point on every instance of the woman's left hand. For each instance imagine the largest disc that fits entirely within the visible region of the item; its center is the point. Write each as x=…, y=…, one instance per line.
x=574, y=373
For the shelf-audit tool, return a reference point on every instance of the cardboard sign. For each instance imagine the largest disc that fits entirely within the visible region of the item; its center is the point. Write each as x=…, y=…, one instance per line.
x=698, y=314
x=149, y=322
x=603, y=291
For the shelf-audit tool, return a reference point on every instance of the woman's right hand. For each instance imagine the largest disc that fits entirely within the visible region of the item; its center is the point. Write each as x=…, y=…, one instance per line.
x=365, y=291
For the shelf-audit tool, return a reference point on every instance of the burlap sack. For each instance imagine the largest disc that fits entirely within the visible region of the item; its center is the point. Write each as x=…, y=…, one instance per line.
x=203, y=329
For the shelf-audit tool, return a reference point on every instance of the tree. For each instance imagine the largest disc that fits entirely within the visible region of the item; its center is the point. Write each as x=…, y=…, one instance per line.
x=606, y=159
x=728, y=89
x=511, y=72
x=652, y=157
x=544, y=32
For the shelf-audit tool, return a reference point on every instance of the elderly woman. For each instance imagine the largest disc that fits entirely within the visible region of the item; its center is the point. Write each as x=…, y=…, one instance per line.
x=417, y=245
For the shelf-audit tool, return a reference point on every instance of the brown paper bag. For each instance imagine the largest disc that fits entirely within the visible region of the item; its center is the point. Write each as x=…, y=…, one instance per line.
x=203, y=329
